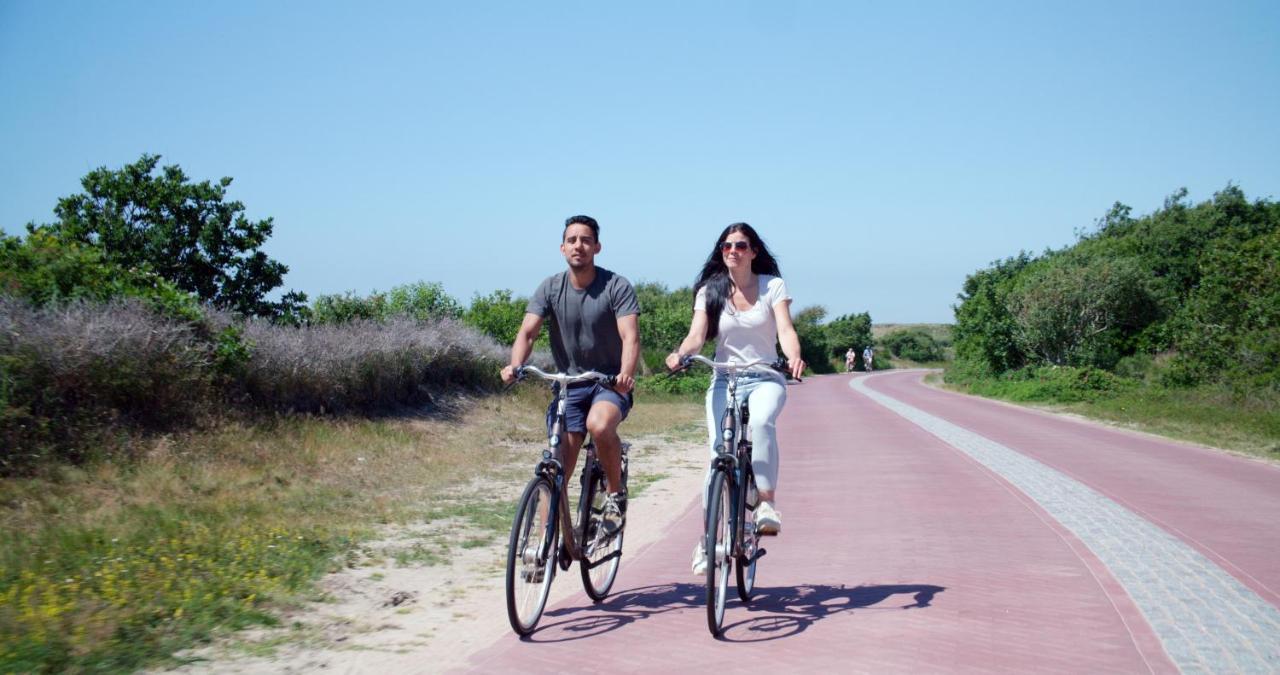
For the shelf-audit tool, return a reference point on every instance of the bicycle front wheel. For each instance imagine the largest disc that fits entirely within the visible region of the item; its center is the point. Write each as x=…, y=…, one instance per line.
x=746, y=571
x=531, y=557
x=718, y=545
x=597, y=577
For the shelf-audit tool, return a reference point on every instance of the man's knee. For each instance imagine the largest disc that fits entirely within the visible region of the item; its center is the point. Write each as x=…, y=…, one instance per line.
x=603, y=420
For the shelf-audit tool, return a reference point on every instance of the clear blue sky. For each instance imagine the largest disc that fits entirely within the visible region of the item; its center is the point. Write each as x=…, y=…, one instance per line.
x=883, y=151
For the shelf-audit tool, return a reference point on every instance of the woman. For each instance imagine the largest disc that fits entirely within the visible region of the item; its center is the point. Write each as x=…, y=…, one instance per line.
x=741, y=302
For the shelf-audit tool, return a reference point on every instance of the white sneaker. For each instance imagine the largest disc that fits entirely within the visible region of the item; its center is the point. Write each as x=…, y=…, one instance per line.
x=768, y=520
x=699, y=561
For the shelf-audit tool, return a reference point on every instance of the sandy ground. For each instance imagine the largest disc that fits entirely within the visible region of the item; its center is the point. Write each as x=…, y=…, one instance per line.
x=416, y=615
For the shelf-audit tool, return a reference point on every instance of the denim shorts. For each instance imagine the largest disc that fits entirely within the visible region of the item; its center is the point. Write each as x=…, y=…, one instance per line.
x=579, y=401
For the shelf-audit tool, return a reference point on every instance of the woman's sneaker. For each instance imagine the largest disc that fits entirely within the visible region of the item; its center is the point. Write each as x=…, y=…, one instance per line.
x=768, y=520
x=699, y=561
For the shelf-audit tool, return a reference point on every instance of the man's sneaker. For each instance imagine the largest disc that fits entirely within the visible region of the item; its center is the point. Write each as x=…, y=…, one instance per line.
x=614, y=515
x=699, y=561
x=768, y=520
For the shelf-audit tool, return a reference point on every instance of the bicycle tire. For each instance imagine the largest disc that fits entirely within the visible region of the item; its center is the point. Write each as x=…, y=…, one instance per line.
x=527, y=582
x=717, y=545
x=596, y=580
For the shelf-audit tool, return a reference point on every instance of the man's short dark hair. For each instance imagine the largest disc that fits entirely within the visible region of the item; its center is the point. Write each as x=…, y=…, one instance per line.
x=583, y=220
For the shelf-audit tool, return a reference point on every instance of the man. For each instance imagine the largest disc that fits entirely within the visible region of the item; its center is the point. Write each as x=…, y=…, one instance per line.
x=868, y=355
x=593, y=315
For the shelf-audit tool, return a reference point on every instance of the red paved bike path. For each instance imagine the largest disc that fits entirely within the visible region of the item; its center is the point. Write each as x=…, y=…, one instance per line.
x=899, y=554
x=1226, y=507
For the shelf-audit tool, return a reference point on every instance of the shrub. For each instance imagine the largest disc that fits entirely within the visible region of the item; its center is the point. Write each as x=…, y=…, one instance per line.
x=498, y=315
x=420, y=300
x=913, y=345
x=363, y=365
x=72, y=373
x=43, y=270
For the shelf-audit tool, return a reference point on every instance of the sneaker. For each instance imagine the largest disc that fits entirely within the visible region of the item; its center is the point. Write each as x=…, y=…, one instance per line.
x=699, y=561
x=614, y=515
x=768, y=520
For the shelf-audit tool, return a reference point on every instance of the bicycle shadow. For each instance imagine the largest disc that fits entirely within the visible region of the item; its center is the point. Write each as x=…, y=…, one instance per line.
x=775, y=613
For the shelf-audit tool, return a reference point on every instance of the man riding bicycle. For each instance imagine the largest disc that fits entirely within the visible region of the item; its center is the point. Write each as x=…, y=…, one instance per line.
x=593, y=315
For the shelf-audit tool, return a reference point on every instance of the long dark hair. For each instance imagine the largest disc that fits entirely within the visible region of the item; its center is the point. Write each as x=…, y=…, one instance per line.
x=715, y=275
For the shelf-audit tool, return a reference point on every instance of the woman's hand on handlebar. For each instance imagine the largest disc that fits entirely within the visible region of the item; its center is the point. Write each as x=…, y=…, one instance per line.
x=675, y=362
x=796, y=367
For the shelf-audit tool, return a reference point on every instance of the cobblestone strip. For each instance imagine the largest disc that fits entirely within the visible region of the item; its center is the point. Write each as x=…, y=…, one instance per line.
x=1206, y=619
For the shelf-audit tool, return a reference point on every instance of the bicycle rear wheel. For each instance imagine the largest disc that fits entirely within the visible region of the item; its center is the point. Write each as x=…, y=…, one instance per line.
x=531, y=557
x=595, y=545
x=718, y=550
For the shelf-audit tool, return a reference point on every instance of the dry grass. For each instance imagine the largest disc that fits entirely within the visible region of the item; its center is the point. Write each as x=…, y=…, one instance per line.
x=112, y=567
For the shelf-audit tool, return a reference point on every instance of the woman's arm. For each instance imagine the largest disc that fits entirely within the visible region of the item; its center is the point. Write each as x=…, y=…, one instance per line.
x=693, y=342
x=787, y=337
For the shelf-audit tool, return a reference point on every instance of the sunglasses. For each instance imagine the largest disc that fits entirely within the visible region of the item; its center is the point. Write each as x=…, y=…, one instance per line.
x=727, y=246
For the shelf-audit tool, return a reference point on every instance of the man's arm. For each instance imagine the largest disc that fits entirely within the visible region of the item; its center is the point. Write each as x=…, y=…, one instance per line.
x=629, y=330
x=523, y=346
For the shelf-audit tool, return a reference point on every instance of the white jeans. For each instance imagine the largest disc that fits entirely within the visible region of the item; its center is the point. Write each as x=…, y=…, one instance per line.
x=765, y=395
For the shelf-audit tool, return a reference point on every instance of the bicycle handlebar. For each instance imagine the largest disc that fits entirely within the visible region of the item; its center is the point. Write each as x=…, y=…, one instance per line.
x=564, y=379
x=779, y=365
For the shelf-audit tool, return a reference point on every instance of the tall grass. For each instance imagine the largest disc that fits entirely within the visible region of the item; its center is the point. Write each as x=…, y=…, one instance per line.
x=78, y=380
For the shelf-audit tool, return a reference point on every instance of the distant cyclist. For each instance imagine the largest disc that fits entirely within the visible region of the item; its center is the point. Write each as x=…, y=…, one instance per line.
x=742, y=303
x=850, y=358
x=593, y=327
x=868, y=356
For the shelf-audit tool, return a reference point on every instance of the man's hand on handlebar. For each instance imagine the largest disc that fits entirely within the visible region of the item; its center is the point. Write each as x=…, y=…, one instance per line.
x=509, y=375
x=623, y=383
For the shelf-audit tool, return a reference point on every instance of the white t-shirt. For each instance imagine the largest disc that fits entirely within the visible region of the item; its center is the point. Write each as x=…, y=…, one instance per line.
x=748, y=335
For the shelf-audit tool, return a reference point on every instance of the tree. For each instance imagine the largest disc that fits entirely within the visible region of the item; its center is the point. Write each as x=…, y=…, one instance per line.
x=498, y=315
x=813, y=338
x=848, y=331
x=186, y=232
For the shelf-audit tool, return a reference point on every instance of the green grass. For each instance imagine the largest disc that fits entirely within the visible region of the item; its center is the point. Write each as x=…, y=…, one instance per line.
x=1244, y=422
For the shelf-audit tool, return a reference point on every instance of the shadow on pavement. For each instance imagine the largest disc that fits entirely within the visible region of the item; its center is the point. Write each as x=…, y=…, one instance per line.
x=775, y=612
x=790, y=610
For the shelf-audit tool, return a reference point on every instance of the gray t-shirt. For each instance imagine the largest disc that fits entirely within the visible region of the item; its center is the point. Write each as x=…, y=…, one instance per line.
x=584, y=323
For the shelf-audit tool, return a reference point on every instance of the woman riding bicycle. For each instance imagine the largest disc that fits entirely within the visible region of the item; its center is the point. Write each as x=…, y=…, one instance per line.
x=741, y=287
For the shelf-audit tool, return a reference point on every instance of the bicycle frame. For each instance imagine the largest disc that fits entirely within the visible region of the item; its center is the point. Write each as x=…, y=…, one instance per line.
x=732, y=457
x=552, y=467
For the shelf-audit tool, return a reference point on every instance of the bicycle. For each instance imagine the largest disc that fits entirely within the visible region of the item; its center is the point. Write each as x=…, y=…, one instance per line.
x=543, y=528
x=729, y=534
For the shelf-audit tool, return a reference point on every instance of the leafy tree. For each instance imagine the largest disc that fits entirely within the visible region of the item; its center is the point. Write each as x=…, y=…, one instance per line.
x=1077, y=312
x=848, y=331
x=985, y=330
x=497, y=314
x=420, y=301
x=813, y=338
x=43, y=269
x=914, y=345
x=186, y=232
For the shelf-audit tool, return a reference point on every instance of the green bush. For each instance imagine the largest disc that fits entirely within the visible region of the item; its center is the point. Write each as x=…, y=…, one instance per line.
x=43, y=269
x=498, y=315
x=1187, y=295
x=690, y=383
x=913, y=345
x=420, y=301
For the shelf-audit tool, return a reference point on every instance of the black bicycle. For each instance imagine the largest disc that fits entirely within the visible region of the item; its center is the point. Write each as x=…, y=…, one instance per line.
x=544, y=535
x=730, y=537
